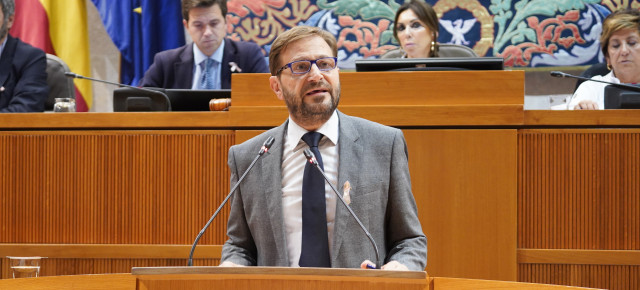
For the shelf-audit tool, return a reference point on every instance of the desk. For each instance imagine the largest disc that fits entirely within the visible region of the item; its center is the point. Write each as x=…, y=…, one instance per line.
x=502, y=194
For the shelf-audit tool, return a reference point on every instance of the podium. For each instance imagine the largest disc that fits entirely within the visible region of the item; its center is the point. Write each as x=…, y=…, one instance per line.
x=267, y=278
x=264, y=278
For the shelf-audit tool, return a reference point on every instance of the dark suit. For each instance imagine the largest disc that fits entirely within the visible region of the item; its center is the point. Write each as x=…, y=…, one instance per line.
x=373, y=158
x=173, y=69
x=23, y=77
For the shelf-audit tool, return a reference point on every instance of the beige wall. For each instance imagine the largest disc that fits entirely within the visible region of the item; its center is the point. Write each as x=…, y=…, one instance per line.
x=105, y=61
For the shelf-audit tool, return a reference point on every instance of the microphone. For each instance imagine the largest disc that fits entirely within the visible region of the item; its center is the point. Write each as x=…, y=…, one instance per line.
x=312, y=159
x=559, y=74
x=77, y=76
x=264, y=149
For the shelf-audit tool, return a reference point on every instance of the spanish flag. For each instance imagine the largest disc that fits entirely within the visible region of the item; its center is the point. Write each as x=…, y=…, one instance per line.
x=60, y=28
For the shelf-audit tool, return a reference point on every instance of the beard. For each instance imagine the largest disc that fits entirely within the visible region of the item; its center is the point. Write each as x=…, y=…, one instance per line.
x=316, y=113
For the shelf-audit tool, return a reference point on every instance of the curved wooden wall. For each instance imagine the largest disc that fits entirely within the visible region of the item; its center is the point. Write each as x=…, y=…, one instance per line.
x=579, y=189
x=112, y=187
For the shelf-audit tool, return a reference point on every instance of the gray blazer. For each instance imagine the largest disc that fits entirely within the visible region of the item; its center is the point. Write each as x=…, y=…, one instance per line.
x=373, y=158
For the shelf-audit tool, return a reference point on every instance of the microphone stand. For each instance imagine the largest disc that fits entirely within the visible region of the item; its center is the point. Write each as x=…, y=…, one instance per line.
x=265, y=147
x=312, y=159
x=77, y=76
x=559, y=74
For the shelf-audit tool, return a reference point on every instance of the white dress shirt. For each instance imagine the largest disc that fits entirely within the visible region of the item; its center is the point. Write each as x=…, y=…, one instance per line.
x=199, y=57
x=592, y=91
x=293, y=163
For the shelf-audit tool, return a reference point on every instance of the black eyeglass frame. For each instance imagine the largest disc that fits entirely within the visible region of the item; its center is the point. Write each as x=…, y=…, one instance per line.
x=312, y=62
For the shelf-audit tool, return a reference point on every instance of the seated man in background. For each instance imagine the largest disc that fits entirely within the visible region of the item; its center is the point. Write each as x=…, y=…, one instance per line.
x=23, y=69
x=209, y=63
x=284, y=214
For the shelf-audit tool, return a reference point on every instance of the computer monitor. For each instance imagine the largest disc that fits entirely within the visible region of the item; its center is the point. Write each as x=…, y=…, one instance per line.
x=621, y=98
x=430, y=64
x=194, y=100
x=137, y=100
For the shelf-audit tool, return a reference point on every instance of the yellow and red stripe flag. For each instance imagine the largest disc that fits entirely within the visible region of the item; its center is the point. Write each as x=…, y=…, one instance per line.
x=60, y=28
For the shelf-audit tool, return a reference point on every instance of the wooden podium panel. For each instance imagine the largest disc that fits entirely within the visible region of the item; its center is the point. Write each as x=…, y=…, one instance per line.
x=464, y=183
x=276, y=278
x=262, y=278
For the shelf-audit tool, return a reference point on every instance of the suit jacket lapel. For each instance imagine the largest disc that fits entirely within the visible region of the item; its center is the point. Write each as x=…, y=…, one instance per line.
x=228, y=55
x=271, y=165
x=184, y=68
x=350, y=151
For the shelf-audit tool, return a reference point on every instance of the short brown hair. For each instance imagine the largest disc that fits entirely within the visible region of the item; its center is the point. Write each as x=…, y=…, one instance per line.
x=425, y=13
x=190, y=4
x=294, y=34
x=618, y=20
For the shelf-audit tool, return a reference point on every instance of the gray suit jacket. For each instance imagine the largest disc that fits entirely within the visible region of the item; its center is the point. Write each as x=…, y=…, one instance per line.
x=373, y=158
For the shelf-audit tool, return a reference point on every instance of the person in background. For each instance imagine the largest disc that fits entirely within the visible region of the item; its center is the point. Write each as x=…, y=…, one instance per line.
x=23, y=69
x=416, y=29
x=208, y=62
x=620, y=44
x=285, y=214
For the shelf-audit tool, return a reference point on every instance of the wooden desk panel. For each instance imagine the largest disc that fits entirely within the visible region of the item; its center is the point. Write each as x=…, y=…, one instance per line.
x=464, y=182
x=113, y=187
x=112, y=198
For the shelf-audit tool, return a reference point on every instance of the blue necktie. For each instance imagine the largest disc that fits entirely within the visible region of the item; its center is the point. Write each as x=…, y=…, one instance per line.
x=207, y=81
x=315, y=239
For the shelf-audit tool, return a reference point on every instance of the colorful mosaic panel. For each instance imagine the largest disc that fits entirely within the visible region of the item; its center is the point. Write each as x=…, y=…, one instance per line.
x=525, y=33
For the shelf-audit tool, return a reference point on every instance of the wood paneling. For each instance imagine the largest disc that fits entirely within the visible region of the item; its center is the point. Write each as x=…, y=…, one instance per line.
x=583, y=118
x=115, y=251
x=594, y=276
x=416, y=89
x=112, y=187
x=85, y=282
x=464, y=182
x=77, y=266
x=578, y=257
x=579, y=190
x=579, y=207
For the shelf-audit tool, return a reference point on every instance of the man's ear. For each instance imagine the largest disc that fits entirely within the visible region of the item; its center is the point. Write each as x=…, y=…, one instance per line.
x=10, y=21
x=274, y=83
x=185, y=23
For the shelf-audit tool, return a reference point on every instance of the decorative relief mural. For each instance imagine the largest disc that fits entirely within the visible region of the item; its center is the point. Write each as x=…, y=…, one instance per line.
x=526, y=33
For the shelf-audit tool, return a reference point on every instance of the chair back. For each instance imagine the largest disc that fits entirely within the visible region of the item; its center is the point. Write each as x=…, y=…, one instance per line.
x=60, y=86
x=444, y=50
x=598, y=69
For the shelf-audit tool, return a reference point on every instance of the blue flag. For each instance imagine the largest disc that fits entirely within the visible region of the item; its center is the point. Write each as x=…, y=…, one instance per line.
x=140, y=29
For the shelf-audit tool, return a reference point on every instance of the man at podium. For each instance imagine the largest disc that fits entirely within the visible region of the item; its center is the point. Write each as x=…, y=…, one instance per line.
x=284, y=213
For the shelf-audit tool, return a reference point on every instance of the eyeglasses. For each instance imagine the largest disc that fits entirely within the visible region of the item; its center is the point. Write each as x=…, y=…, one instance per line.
x=304, y=66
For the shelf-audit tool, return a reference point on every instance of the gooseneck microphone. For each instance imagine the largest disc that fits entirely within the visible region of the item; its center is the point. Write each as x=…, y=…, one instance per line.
x=560, y=74
x=264, y=149
x=77, y=76
x=312, y=159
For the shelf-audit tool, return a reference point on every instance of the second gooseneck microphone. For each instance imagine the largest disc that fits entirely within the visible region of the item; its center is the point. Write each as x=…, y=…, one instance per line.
x=265, y=147
x=158, y=93
x=312, y=159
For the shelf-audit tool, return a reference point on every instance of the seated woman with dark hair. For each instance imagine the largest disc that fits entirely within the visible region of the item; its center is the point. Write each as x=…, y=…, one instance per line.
x=620, y=44
x=416, y=29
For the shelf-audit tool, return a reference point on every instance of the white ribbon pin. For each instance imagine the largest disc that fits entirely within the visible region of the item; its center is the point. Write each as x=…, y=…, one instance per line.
x=345, y=195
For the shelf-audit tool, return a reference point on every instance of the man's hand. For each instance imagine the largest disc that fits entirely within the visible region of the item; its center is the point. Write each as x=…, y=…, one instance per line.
x=393, y=265
x=229, y=264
